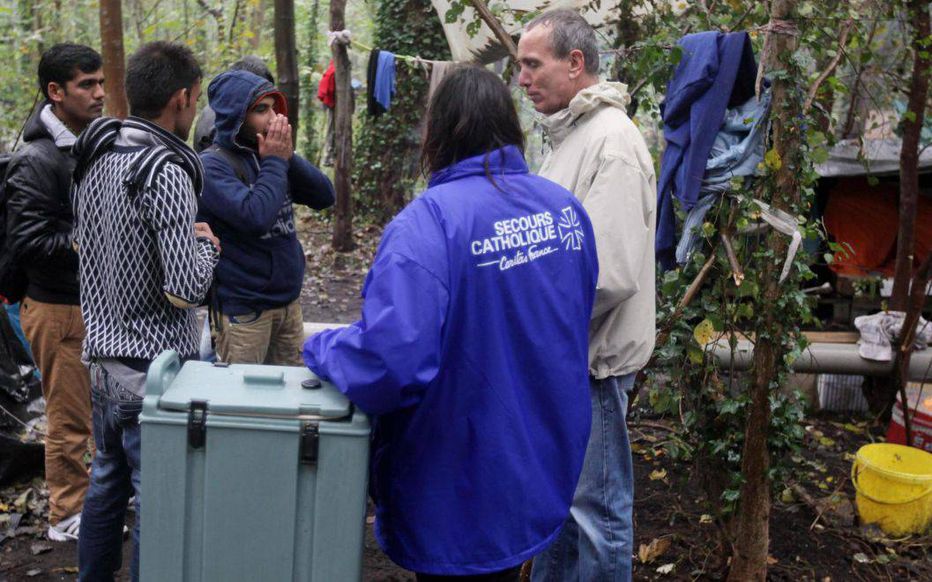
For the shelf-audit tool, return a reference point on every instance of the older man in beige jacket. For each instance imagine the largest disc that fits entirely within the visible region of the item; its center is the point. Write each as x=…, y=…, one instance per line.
x=598, y=154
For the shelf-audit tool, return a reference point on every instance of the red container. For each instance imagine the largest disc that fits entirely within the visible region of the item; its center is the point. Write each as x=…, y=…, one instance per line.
x=920, y=405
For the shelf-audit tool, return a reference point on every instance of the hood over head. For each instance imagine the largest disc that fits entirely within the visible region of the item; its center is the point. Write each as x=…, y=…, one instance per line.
x=232, y=95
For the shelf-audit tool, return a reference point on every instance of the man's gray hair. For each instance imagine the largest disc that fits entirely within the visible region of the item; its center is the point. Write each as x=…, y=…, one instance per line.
x=569, y=31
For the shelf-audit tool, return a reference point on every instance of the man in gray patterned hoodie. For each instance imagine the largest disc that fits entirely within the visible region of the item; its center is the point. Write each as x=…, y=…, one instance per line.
x=143, y=265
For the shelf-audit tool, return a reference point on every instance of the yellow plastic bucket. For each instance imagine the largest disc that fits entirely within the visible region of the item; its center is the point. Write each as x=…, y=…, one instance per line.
x=894, y=488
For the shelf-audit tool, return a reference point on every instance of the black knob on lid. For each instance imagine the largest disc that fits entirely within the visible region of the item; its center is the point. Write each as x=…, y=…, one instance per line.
x=311, y=384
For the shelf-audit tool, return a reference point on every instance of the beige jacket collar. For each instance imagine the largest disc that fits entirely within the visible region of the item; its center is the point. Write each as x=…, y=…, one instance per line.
x=558, y=125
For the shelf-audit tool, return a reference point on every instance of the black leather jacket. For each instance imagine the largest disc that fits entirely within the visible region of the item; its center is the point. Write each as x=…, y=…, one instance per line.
x=39, y=216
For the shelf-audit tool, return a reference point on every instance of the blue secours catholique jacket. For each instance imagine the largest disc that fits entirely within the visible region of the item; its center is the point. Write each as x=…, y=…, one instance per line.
x=262, y=263
x=471, y=355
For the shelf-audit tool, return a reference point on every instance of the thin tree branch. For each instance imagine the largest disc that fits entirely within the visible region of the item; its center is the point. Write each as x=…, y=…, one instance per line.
x=855, y=90
x=215, y=12
x=503, y=37
x=744, y=17
x=148, y=14
x=842, y=40
x=235, y=20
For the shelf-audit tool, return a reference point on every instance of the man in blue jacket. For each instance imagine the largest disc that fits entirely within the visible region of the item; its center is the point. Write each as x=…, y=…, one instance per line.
x=252, y=178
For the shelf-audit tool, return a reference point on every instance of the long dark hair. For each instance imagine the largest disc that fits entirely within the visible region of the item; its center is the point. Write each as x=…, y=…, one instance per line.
x=471, y=113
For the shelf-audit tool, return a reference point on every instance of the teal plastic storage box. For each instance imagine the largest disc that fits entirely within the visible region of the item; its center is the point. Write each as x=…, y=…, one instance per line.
x=249, y=475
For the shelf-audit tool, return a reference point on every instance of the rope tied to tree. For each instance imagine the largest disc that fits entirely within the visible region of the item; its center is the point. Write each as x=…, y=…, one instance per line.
x=339, y=36
x=775, y=26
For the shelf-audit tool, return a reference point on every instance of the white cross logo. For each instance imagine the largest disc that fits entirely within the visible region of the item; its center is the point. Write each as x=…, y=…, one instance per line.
x=570, y=229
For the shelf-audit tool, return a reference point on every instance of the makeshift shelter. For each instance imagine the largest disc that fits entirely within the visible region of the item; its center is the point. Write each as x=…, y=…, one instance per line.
x=483, y=47
x=859, y=204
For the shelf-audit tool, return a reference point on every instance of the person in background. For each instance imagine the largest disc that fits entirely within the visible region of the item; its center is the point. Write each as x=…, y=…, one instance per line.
x=39, y=227
x=471, y=354
x=205, y=129
x=253, y=177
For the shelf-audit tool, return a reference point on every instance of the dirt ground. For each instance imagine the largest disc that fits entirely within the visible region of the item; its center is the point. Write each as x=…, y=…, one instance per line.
x=813, y=528
x=813, y=531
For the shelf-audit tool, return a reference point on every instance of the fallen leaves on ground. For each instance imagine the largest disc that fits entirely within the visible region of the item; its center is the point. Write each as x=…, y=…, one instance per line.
x=647, y=553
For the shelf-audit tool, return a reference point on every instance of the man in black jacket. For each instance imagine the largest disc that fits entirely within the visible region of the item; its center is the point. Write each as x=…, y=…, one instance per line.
x=39, y=225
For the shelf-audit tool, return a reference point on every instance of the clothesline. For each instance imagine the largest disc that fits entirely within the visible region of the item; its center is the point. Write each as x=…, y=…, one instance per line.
x=380, y=74
x=344, y=37
x=416, y=60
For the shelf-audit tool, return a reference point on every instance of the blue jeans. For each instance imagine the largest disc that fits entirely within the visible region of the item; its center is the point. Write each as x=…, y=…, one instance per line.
x=114, y=479
x=597, y=539
x=12, y=312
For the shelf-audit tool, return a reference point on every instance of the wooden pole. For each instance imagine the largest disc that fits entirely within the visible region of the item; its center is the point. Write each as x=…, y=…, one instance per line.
x=111, y=44
x=909, y=155
x=286, y=60
x=752, y=521
x=343, y=135
x=904, y=345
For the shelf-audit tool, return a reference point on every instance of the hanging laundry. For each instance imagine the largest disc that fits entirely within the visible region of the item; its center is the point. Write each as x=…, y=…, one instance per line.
x=372, y=105
x=737, y=151
x=717, y=70
x=878, y=331
x=438, y=71
x=385, y=80
x=327, y=89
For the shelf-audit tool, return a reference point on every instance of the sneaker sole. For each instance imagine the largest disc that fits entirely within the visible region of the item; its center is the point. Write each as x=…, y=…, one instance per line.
x=56, y=536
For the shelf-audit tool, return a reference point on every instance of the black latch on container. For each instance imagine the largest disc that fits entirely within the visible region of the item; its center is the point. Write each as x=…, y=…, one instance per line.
x=197, y=424
x=310, y=441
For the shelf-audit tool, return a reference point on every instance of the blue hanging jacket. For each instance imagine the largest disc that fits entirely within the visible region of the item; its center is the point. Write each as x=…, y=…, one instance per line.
x=717, y=70
x=472, y=355
x=384, y=89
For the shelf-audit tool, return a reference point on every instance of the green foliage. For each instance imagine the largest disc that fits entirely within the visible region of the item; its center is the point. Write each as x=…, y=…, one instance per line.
x=228, y=31
x=711, y=401
x=386, y=167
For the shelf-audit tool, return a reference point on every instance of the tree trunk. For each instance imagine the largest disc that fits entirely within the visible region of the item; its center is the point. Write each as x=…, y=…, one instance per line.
x=387, y=145
x=255, y=25
x=310, y=96
x=909, y=155
x=111, y=44
x=286, y=59
x=343, y=135
x=37, y=27
x=904, y=344
x=752, y=534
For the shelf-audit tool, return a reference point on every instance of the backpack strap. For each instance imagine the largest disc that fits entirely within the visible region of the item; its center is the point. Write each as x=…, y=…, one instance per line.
x=236, y=162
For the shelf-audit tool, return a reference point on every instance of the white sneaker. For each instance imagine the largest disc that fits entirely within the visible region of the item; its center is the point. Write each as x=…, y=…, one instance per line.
x=66, y=530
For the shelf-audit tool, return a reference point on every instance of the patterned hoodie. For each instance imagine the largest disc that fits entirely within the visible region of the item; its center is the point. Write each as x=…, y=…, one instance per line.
x=140, y=266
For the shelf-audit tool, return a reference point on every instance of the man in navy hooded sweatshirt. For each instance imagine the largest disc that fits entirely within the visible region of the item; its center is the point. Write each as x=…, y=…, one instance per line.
x=252, y=178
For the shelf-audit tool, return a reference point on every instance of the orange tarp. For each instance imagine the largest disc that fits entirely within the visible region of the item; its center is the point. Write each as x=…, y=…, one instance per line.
x=866, y=218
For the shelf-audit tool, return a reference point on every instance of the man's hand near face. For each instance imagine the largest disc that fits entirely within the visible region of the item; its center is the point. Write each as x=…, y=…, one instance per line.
x=277, y=141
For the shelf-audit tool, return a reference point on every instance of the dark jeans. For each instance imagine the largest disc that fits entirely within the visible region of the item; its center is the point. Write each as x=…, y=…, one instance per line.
x=114, y=479
x=510, y=575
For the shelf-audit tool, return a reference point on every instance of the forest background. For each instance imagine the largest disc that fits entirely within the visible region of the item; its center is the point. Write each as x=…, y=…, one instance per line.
x=840, y=69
